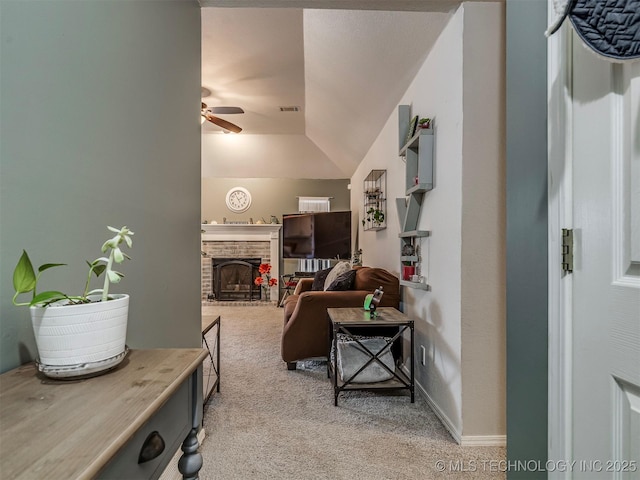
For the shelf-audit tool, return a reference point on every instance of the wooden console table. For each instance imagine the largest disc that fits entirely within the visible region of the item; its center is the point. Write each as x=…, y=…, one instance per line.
x=96, y=427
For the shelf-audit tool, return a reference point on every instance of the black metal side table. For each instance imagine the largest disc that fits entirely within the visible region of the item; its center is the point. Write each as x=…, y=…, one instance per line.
x=288, y=282
x=209, y=322
x=342, y=319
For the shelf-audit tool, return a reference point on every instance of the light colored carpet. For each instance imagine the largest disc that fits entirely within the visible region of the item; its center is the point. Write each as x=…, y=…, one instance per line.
x=271, y=423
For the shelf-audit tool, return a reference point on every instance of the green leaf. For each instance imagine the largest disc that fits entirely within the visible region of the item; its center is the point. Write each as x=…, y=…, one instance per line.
x=24, y=278
x=114, y=277
x=118, y=257
x=98, y=269
x=47, y=297
x=47, y=266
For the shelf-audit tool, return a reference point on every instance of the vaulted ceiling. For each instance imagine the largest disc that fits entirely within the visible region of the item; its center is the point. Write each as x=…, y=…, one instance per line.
x=345, y=70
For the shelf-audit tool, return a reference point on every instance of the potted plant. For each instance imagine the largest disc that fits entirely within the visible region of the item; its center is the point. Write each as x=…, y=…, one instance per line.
x=424, y=123
x=83, y=334
x=374, y=216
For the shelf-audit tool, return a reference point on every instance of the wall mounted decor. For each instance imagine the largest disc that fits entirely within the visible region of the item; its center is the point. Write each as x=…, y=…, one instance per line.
x=375, y=201
x=238, y=199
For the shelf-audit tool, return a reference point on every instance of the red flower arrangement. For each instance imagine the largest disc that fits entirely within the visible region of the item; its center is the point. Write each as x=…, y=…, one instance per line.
x=264, y=280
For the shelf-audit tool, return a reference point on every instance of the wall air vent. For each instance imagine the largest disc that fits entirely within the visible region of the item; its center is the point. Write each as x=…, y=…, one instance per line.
x=289, y=109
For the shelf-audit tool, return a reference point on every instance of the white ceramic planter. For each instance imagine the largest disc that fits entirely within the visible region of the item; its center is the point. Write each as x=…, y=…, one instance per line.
x=82, y=335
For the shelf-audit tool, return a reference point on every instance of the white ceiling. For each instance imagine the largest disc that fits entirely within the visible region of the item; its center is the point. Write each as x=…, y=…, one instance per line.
x=345, y=69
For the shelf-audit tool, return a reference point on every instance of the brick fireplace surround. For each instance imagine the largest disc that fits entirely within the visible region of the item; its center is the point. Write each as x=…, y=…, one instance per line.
x=240, y=241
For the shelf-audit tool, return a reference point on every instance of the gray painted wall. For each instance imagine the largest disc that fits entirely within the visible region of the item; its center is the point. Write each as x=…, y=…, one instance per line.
x=270, y=196
x=84, y=143
x=527, y=251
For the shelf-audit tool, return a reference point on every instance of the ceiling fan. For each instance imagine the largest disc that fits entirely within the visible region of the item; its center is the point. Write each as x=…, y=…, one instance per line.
x=207, y=113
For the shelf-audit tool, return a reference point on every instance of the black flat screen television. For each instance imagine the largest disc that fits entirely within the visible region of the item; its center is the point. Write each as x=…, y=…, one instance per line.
x=317, y=235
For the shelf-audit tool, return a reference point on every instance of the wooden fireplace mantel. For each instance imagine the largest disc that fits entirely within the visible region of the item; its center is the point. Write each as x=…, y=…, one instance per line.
x=240, y=232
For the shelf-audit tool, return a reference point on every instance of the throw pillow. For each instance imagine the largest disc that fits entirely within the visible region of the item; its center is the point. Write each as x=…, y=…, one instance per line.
x=319, y=278
x=343, y=282
x=337, y=269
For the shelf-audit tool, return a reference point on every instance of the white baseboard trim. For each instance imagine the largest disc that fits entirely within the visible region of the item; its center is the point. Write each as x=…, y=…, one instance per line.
x=448, y=424
x=462, y=440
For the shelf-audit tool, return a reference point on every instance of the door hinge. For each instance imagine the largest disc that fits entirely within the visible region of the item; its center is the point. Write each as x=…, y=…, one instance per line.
x=567, y=250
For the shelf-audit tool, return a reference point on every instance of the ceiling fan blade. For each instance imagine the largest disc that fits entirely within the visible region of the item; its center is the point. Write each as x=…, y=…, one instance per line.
x=226, y=110
x=223, y=123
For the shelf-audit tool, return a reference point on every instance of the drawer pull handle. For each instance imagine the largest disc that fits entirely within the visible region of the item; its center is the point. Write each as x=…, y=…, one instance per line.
x=152, y=448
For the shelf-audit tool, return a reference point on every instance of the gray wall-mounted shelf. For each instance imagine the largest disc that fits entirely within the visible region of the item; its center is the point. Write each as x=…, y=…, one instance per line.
x=415, y=233
x=417, y=149
x=418, y=152
x=418, y=285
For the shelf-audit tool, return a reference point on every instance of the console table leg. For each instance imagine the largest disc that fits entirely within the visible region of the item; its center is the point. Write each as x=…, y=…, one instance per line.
x=190, y=462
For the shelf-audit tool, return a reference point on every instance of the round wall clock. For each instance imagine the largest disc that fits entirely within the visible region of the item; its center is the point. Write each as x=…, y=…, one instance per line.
x=238, y=199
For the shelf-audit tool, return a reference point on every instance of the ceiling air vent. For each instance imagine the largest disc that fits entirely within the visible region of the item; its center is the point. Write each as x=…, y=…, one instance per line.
x=289, y=109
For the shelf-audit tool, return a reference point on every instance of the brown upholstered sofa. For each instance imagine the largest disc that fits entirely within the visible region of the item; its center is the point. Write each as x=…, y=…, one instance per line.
x=306, y=325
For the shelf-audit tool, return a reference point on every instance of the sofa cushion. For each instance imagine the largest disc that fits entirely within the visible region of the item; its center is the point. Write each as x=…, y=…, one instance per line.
x=343, y=282
x=319, y=279
x=337, y=269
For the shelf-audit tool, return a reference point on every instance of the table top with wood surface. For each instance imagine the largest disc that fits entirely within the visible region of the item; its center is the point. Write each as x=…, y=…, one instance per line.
x=72, y=428
x=358, y=316
x=208, y=321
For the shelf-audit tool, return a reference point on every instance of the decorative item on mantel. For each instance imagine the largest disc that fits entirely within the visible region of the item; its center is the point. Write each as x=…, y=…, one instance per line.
x=78, y=335
x=265, y=281
x=238, y=222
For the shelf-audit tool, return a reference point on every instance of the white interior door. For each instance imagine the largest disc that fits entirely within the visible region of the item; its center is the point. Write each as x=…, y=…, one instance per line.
x=605, y=358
